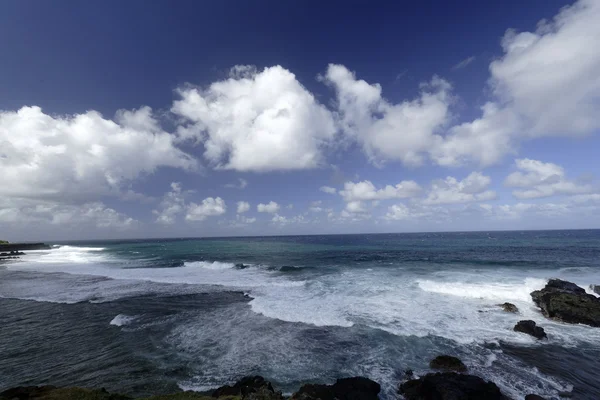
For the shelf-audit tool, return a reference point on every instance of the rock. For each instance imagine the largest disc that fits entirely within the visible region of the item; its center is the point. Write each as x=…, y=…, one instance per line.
x=244, y=387
x=241, y=266
x=564, y=301
x=357, y=388
x=595, y=288
x=448, y=363
x=450, y=386
x=509, y=307
x=529, y=327
x=54, y=393
x=534, y=397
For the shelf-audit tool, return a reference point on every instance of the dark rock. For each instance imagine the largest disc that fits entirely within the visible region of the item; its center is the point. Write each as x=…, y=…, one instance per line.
x=357, y=388
x=450, y=386
x=448, y=363
x=529, y=327
x=54, y=393
x=244, y=387
x=242, y=266
x=23, y=246
x=509, y=307
x=567, y=302
x=409, y=374
x=595, y=288
x=534, y=397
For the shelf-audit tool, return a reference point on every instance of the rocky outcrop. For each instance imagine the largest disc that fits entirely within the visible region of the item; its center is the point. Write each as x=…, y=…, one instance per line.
x=595, y=288
x=529, y=327
x=249, y=388
x=357, y=388
x=450, y=386
x=54, y=393
x=509, y=307
x=448, y=363
x=565, y=301
x=8, y=247
x=534, y=397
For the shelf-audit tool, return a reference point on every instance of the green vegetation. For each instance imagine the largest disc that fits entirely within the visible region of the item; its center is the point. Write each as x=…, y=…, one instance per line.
x=3, y=241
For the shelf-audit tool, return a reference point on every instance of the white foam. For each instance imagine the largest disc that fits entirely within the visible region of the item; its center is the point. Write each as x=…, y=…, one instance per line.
x=495, y=291
x=122, y=319
x=209, y=265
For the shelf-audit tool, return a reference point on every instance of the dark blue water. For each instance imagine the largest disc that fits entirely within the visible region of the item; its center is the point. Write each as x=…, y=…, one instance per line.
x=152, y=316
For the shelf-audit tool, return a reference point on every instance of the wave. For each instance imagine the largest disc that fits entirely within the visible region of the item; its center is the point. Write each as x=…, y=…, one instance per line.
x=122, y=319
x=496, y=291
x=217, y=265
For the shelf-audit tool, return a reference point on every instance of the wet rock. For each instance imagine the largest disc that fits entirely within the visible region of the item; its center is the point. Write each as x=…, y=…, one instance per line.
x=357, y=388
x=249, y=387
x=534, y=397
x=595, y=288
x=242, y=266
x=529, y=327
x=450, y=386
x=448, y=363
x=509, y=307
x=565, y=301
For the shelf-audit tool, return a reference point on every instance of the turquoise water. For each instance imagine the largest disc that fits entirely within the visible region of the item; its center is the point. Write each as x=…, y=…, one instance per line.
x=154, y=315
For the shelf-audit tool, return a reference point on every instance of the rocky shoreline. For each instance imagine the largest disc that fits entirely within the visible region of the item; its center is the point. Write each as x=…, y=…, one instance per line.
x=12, y=251
x=449, y=379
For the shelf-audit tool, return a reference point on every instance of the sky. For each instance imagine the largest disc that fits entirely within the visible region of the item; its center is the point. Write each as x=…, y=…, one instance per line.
x=187, y=119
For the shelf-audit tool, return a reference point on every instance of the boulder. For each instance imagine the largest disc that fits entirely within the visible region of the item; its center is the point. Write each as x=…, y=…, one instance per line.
x=54, y=393
x=357, y=388
x=534, y=397
x=244, y=387
x=529, y=327
x=450, y=386
x=242, y=266
x=448, y=363
x=565, y=301
x=509, y=307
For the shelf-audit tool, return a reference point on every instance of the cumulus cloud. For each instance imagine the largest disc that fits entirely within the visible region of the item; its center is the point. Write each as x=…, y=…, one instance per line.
x=242, y=207
x=241, y=184
x=452, y=191
x=256, y=121
x=209, y=207
x=172, y=204
x=386, y=131
x=366, y=190
x=91, y=214
x=81, y=156
x=328, y=189
x=539, y=179
x=270, y=207
x=402, y=212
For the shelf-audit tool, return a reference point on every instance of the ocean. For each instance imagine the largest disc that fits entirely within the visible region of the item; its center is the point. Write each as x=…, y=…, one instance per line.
x=153, y=316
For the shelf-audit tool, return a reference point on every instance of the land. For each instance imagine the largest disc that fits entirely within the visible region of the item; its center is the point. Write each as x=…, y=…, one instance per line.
x=12, y=251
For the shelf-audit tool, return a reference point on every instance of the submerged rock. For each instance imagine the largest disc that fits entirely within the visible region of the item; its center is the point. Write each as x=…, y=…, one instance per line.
x=565, y=301
x=534, y=397
x=448, y=363
x=529, y=327
x=509, y=307
x=357, y=388
x=254, y=387
x=450, y=386
x=242, y=266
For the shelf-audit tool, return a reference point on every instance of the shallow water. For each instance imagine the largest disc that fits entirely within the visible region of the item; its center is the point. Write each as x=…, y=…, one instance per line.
x=150, y=316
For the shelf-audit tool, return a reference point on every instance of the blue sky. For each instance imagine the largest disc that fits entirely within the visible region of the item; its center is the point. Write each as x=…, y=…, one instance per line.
x=154, y=119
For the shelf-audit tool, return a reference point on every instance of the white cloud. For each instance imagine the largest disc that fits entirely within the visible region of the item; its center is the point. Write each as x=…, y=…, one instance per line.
x=404, y=131
x=546, y=83
x=464, y=63
x=256, y=121
x=208, y=208
x=172, y=205
x=242, y=183
x=281, y=220
x=328, y=189
x=539, y=179
x=356, y=207
x=365, y=190
x=245, y=220
x=242, y=207
x=36, y=212
x=62, y=158
x=270, y=207
x=452, y=191
x=400, y=212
